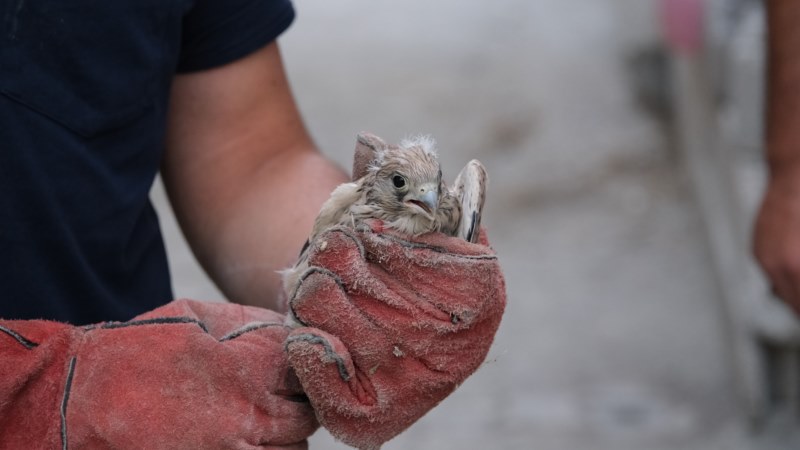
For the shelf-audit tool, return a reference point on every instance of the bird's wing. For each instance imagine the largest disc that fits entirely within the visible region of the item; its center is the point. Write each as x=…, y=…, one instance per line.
x=335, y=209
x=470, y=188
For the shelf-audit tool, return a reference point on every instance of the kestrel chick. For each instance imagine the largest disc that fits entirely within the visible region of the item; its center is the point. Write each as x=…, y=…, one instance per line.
x=402, y=186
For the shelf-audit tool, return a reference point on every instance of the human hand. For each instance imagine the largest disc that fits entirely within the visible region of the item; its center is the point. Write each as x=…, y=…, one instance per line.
x=186, y=375
x=777, y=236
x=392, y=326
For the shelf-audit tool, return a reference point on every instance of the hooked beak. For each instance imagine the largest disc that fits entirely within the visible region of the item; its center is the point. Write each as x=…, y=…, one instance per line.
x=427, y=198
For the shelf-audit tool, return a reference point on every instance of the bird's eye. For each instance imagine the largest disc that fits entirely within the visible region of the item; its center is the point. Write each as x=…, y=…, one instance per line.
x=398, y=181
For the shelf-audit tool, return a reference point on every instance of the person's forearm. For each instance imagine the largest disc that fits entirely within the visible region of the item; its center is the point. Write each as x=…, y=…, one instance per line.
x=783, y=79
x=776, y=235
x=242, y=173
x=266, y=225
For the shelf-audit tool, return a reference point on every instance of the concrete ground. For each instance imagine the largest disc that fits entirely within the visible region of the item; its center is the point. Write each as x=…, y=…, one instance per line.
x=613, y=338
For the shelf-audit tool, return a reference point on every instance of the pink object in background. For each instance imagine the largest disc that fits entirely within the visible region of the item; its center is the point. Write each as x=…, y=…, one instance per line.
x=682, y=22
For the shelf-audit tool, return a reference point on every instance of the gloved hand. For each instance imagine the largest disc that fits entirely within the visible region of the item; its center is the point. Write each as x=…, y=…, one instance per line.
x=186, y=375
x=392, y=326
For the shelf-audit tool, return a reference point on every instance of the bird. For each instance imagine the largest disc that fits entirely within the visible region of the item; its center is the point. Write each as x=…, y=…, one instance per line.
x=402, y=186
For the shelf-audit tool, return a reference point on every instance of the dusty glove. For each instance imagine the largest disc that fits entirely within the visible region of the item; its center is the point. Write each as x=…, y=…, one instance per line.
x=391, y=327
x=186, y=375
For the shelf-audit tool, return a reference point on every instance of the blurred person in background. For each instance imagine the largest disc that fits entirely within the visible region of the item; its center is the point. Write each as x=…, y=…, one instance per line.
x=777, y=230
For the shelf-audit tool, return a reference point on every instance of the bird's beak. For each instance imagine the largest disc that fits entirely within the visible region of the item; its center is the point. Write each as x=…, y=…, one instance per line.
x=430, y=198
x=427, y=198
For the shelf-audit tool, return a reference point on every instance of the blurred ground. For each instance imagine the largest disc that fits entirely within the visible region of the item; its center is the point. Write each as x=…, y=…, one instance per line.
x=613, y=338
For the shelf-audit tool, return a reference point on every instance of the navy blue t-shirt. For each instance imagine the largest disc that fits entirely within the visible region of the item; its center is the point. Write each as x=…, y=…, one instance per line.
x=84, y=87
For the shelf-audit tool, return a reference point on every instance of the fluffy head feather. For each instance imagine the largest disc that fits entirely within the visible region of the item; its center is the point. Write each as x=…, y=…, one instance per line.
x=426, y=143
x=422, y=147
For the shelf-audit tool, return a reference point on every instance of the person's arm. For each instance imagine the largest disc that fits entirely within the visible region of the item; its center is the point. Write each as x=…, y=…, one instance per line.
x=777, y=231
x=242, y=173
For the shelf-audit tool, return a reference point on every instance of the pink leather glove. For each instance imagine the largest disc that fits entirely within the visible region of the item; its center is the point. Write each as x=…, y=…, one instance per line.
x=392, y=326
x=186, y=375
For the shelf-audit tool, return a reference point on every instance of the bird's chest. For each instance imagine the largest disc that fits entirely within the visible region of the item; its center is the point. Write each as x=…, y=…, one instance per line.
x=393, y=217
x=413, y=225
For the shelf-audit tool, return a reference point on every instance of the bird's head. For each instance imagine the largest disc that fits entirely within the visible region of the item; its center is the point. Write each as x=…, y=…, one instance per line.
x=408, y=178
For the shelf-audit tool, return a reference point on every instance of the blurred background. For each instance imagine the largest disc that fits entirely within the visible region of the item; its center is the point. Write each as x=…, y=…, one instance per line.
x=624, y=165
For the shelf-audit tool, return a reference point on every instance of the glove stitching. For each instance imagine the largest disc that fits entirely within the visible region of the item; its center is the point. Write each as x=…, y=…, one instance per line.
x=329, y=352
x=340, y=283
x=452, y=318
x=25, y=342
x=310, y=271
x=64, y=400
x=248, y=328
x=352, y=235
x=176, y=320
x=420, y=245
x=154, y=321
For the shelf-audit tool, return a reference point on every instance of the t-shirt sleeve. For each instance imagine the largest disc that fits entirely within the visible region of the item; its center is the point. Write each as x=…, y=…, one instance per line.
x=216, y=32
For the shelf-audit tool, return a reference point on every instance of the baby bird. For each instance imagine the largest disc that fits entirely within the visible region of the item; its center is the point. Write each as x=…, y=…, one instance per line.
x=402, y=186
